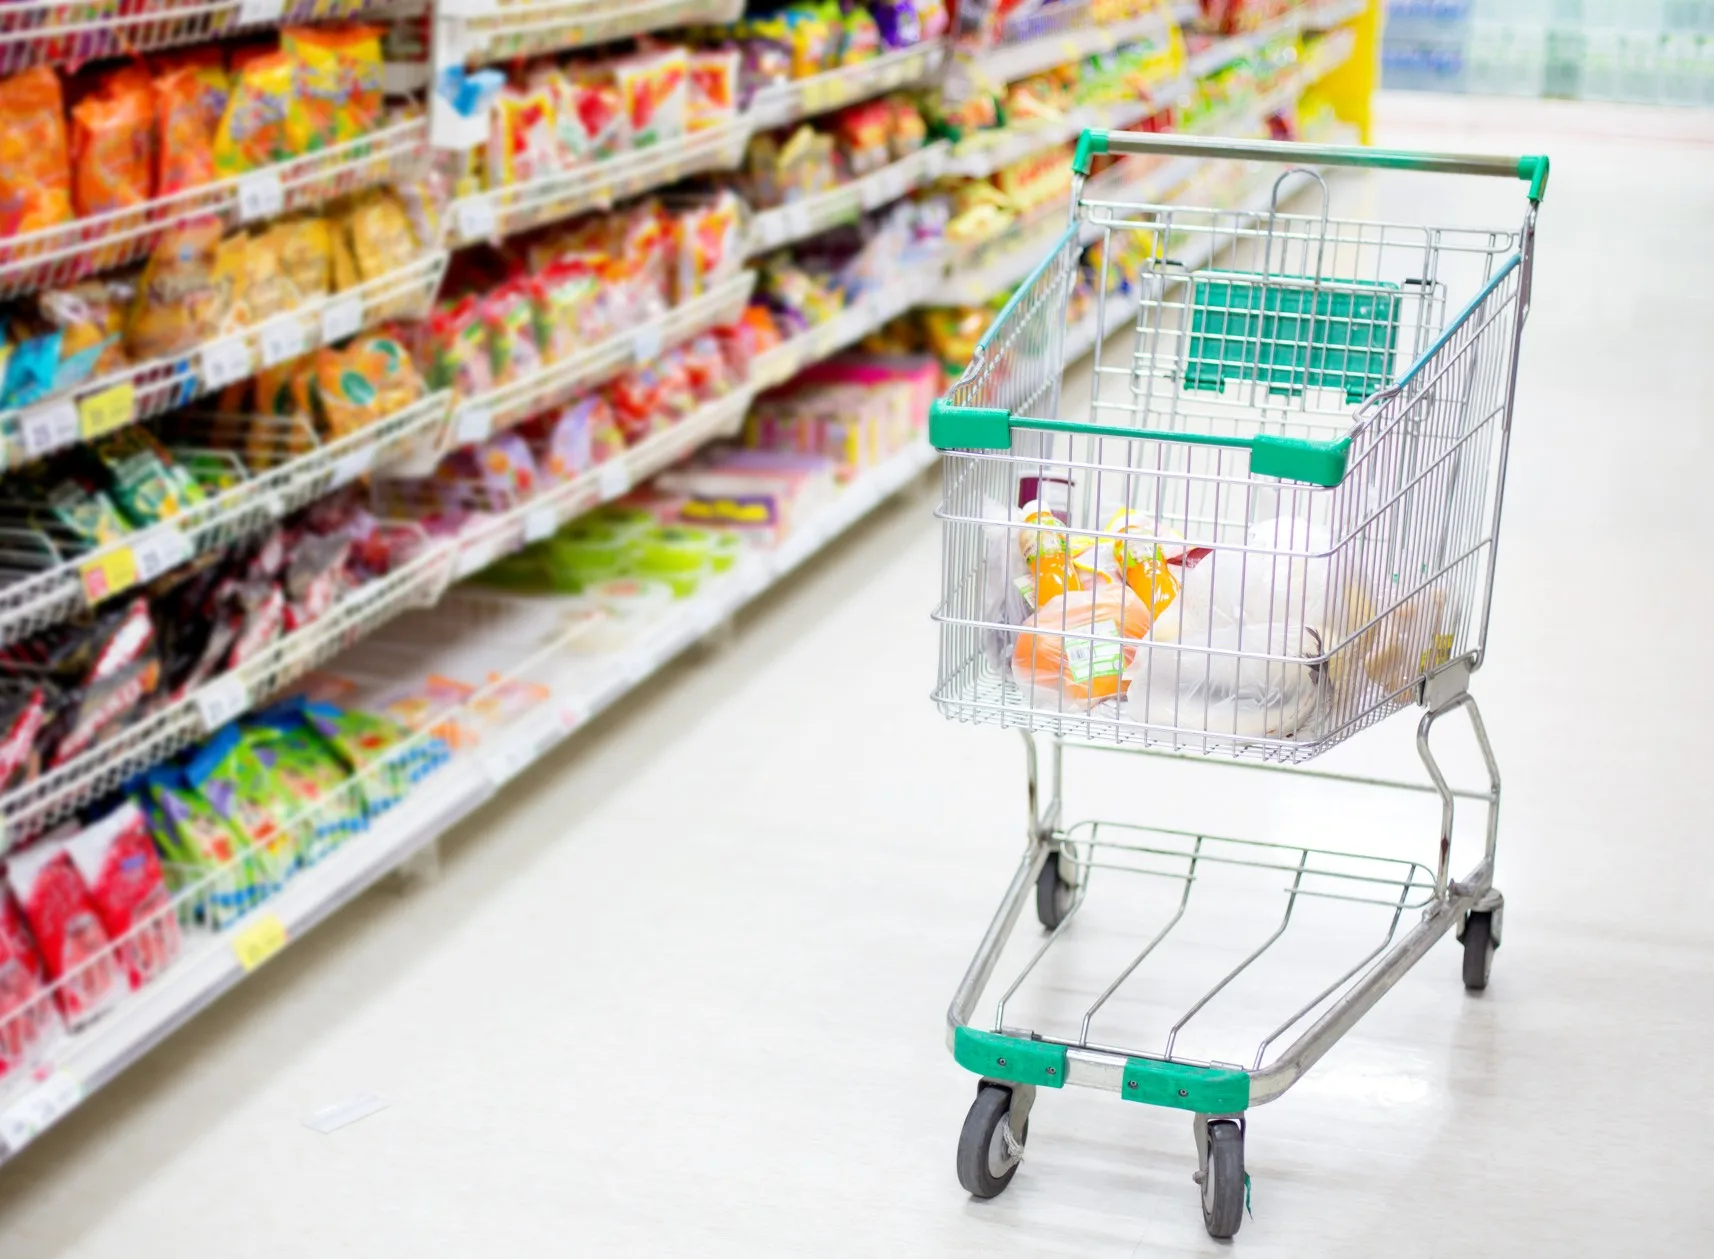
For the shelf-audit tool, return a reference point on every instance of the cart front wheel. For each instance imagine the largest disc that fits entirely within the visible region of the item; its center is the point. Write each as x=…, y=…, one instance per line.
x=988, y=1154
x=1053, y=894
x=1478, y=949
x=1223, y=1180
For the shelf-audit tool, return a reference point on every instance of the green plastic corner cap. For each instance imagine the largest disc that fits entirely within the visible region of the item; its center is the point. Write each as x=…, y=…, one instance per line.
x=968, y=428
x=1011, y=1058
x=1205, y=1090
x=1294, y=459
x=1092, y=141
x=1534, y=169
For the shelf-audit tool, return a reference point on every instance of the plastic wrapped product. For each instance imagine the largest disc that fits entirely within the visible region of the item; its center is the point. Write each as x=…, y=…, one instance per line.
x=339, y=79
x=713, y=97
x=1072, y=654
x=29, y=1020
x=263, y=119
x=180, y=299
x=655, y=91
x=113, y=144
x=523, y=143
x=186, y=136
x=116, y=858
x=35, y=159
x=67, y=930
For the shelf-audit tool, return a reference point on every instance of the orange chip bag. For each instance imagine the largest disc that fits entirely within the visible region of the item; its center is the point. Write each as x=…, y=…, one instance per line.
x=186, y=157
x=182, y=296
x=261, y=116
x=35, y=168
x=346, y=389
x=113, y=144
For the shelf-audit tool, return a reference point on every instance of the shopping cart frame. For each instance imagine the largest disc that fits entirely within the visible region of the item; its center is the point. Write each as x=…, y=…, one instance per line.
x=1013, y=1063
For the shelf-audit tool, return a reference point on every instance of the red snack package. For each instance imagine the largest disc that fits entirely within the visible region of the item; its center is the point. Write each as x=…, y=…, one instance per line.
x=116, y=858
x=28, y=1021
x=35, y=159
x=68, y=931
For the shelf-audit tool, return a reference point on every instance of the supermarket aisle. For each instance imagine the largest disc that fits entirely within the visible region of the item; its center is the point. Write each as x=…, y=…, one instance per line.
x=682, y=993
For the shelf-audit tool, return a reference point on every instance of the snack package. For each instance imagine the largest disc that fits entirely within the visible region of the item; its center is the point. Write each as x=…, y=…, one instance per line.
x=523, y=142
x=185, y=145
x=1075, y=649
x=256, y=808
x=90, y=317
x=654, y=90
x=207, y=64
x=601, y=109
x=113, y=144
x=563, y=299
x=138, y=475
x=35, y=158
x=116, y=859
x=713, y=88
x=339, y=80
x=385, y=364
x=326, y=808
x=67, y=930
x=377, y=749
x=381, y=240
x=565, y=449
x=457, y=347
x=304, y=248
x=23, y=713
x=510, y=318
x=29, y=1021
x=259, y=288
x=181, y=299
x=263, y=117
x=571, y=141
x=196, y=843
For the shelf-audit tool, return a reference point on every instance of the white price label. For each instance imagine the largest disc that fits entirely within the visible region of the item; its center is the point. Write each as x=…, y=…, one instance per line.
x=613, y=479
x=39, y=1109
x=255, y=12
x=222, y=700
x=475, y=218
x=51, y=426
x=225, y=362
x=353, y=465
x=341, y=317
x=158, y=550
x=646, y=343
x=473, y=424
x=260, y=196
x=540, y=522
x=282, y=340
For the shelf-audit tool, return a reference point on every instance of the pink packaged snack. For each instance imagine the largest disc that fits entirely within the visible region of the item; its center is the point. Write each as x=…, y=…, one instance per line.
x=565, y=445
x=655, y=89
x=29, y=1023
x=116, y=858
x=68, y=931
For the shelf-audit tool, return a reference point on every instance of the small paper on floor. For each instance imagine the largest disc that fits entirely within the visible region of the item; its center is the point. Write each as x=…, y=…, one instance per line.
x=332, y=1118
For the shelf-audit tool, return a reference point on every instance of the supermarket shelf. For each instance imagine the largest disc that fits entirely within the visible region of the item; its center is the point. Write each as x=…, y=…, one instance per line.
x=1325, y=15
x=822, y=93
x=988, y=151
x=502, y=212
x=212, y=963
x=475, y=419
x=68, y=586
x=780, y=364
x=1229, y=48
x=63, y=255
x=1075, y=35
x=810, y=216
x=149, y=389
x=476, y=31
x=38, y=32
x=979, y=273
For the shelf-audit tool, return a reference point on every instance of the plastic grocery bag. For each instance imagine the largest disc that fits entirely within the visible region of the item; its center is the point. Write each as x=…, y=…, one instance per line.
x=1003, y=579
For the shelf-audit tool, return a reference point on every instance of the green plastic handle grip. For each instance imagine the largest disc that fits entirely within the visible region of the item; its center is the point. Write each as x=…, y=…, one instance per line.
x=1095, y=140
x=953, y=427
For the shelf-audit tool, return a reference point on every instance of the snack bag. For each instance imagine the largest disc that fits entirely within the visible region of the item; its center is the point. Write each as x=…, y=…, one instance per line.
x=197, y=842
x=116, y=858
x=1076, y=648
x=137, y=473
x=457, y=344
x=259, y=286
x=523, y=142
x=601, y=109
x=90, y=317
x=181, y=298
x=185, y=157
x=339, y=80
x=67, y=929
x=29, y=1022
x=382, y=241
x=571, y=140
x=23, y=713
x=713, y=89
x=207, y=64
x=511, y=333
x=35, y=159
x=346, y=395
x=377, y=749
x=305, y=251
x=263, y=120
x=386, y=365
x=654, y=90
x=113, y=144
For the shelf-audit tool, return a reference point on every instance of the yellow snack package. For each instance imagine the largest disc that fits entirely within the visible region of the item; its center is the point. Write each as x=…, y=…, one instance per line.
x=345, y=393
x=182, y=296
x=305, y=251
x=261, y=288
x=339, y=80
x=386, y=364
x=264, y=122
x=381, y=235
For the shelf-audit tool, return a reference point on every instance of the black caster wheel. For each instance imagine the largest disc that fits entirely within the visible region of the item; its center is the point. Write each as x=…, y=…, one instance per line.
x=987, y=1155
x=1223, y=1180
x=1479, y=949
x=1053, y=894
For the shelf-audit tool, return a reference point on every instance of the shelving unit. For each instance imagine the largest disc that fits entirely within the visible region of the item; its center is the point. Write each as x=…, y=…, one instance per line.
x=1071, y=33
x=835, y=89
x=810, y=216
x=485, y=31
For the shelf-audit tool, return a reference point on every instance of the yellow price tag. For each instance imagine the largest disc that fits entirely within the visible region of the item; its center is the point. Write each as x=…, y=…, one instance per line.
x=108, y=573
x=105, y=411
x=257, y=941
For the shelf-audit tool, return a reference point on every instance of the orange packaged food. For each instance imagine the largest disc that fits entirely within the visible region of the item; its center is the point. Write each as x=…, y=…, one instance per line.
x=35, y=170
x=207, y=65
x=1078, y=646
x=186, y=139
x=113, y=144
x=261, y=115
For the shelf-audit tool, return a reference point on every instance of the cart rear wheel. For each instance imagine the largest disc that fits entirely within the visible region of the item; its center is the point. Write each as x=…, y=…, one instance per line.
x=1223, y=1180
x=1479, y=949
x=986, y=1160
x=1053, y=894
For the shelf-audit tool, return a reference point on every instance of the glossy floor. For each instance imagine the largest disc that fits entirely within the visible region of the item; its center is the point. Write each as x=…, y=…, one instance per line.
x=682, y=992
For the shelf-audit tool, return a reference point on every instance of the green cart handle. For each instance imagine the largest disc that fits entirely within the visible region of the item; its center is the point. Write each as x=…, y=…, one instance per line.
x=953, y=427
x=1096, y=140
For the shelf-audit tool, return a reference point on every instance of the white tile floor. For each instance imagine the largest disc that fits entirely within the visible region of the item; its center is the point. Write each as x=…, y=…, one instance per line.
x=682, y=993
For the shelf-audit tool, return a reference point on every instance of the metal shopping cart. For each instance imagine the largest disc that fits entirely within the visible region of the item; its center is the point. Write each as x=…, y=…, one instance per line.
x=1276, y=526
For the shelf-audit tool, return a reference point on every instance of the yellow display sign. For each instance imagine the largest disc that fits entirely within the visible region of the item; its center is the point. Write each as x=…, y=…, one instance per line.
x=103, y=412
x=108, y=573
x=258, y=940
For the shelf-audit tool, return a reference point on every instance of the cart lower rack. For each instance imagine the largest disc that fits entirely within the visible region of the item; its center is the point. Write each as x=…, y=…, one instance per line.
x=1276, y=526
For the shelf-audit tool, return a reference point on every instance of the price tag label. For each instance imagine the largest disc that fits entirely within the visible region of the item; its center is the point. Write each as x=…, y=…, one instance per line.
x=613, y=478
x=161, y=548
x=39, y=1109
x=473, y=424
x=224, y=362
x=258, y=940
x=540, y=522
x=51, y=426
x=282, y=340
x=341, y=318
x=475, y=218
x=646, y=343
x=353, y=465
x=260, y=196
x=107, y=573
x=222, y=700
x=103, y=412
x=254, y=12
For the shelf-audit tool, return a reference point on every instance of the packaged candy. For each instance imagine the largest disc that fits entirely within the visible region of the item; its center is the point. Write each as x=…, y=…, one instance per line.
x=375, y=748
x=67, y=930
x=601, y=108
x=116, y=859
x=563, y=302
x=113, y=144
x=339, y=79
x=523, y=142
x=29, y=1022
x=382, y=241
x=305, y=251
x=507, y=468
x=198, y=843
x=655, y=91
x=35, y=159
x=138, y=478
x=260, y=287
x=565, y=449
x=180, y=300
x=262, y=119
x=185, y=145
x=898, y=21
x=713, y=88
x=207, y=65
x=562, y=96
x=859, y=37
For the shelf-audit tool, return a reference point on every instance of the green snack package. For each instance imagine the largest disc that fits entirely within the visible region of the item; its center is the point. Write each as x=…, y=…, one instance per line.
x=391, y=759
x=136, y=469
x=241, y=790
x=197, y=842
x=313, y=778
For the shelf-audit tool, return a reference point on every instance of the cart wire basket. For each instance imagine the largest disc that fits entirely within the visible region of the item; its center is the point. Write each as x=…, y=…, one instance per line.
x=1274, y=525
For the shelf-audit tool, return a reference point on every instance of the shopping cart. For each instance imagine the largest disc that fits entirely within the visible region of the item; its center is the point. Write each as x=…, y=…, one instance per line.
x=1276, y=526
